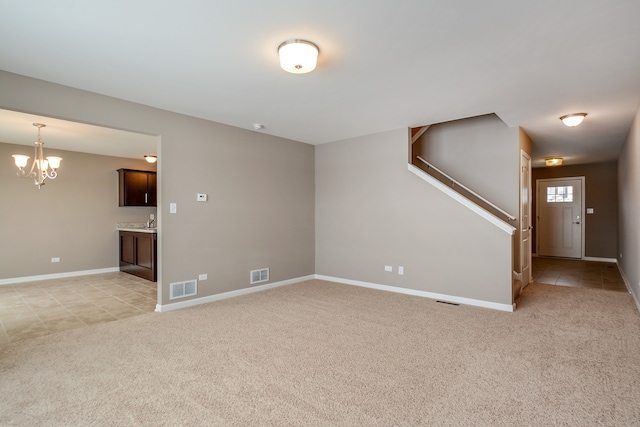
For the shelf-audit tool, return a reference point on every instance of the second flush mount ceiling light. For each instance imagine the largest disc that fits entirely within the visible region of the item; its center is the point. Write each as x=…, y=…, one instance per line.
x=298, y=56
x=574, y=119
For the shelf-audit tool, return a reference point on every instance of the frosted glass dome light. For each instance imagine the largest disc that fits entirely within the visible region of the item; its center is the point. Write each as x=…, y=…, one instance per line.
x=572, y=120
x=298, y=56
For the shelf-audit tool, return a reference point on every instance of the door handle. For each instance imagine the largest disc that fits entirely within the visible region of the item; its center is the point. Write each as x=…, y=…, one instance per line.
x=577, y=222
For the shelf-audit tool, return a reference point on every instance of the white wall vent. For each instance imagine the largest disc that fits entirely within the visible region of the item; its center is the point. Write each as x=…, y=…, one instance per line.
x=258, y=276
x=183, y=289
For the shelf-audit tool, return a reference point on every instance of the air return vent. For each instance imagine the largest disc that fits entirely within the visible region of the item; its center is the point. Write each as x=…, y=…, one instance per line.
x=183, y=289
x=258, y=276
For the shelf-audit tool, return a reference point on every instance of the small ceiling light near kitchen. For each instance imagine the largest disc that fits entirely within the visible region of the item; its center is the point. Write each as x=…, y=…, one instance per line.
x=298, y=56
x=553, y=161
x=41, y=168
x=151, y=159
x=258, y=126
x=572, y=120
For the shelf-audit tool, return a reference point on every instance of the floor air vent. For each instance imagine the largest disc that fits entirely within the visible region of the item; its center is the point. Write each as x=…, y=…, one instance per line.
x=183, y=289
x=258, y=276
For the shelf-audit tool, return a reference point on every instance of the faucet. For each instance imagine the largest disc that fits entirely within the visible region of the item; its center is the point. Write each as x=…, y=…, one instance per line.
x=150, y=223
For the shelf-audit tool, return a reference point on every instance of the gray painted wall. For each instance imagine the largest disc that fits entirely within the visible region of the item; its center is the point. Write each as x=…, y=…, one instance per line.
x=629, y=208
x=261, y=188
x=72, y=217
x=371, y=212
x=482, y=153
x=601, y=194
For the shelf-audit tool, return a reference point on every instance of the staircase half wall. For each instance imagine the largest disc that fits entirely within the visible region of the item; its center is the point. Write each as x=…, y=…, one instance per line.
x=371, y=212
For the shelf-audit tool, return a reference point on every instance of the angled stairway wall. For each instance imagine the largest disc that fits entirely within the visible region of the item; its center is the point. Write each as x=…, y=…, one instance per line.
x=371, y=212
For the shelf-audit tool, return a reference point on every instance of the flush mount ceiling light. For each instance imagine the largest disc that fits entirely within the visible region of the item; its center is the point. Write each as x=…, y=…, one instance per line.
x=151, y=159
x=41, y=168
x=298, y=56
x=572, y=120
x=553, y=161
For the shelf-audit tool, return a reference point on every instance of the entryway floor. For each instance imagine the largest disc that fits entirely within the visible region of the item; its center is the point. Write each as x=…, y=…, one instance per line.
x=578, y=273
x=34, y=309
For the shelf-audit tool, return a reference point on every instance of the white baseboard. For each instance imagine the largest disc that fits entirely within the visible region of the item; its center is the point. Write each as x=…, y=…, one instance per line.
x=629, y=287
x=162, y=308
x=590, y=258
x=57, y=275
x=431, y=295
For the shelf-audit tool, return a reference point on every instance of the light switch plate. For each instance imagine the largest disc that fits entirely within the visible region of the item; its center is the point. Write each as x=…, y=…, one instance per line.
x=589, y=210
x=173, y=207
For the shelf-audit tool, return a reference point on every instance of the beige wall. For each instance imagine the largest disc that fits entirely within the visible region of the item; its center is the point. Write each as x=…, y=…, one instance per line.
x=601, y=194
x=260, y=211
x=371, y=212
x=482, y=153
x=72, y=217
x=629, y=208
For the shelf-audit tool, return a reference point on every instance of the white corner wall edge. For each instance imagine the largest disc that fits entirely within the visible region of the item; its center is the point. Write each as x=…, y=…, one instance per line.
x=462, y=200
x=58, y=275
x=628, y=285
x=162, y=308
x=431, y=295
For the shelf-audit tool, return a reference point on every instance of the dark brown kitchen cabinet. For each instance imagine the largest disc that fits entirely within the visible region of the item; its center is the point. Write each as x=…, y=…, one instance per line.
x=136, y=188
x=138, y=254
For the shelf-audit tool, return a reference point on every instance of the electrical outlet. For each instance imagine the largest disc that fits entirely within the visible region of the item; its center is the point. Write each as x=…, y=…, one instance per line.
x=401, y=270
x=388, y=268
x=202, y=277
x=201, y=197
x=55, y=259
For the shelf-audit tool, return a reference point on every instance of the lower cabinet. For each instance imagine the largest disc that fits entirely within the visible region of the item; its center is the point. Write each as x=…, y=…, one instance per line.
x=138, y=254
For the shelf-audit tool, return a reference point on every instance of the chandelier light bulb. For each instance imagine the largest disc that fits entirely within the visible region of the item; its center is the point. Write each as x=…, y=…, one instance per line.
x=21, y=161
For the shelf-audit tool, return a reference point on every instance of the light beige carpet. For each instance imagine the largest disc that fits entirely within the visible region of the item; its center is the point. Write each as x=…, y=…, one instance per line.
x=319, y=353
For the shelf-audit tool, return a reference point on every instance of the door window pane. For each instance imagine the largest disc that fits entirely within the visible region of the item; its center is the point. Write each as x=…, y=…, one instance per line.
x=560, y=194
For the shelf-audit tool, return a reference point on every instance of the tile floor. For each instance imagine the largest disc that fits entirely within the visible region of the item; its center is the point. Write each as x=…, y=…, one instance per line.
x=578, y=273
x=34, y=309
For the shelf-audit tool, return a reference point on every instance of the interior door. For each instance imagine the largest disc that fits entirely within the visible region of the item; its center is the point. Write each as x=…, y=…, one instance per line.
x=525, y=218
x=560, y=219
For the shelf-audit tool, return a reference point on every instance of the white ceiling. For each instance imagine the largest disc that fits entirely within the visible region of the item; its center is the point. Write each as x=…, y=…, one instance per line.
x=17, y=128
x=383, y=65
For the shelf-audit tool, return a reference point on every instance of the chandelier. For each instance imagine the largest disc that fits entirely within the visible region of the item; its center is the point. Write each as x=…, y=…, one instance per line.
x=41, y=168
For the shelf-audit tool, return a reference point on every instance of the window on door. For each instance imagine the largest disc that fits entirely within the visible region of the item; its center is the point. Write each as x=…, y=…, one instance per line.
x=561, y=194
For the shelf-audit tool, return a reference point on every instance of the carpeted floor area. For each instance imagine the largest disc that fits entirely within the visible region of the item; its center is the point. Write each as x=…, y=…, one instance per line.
x=320, y=353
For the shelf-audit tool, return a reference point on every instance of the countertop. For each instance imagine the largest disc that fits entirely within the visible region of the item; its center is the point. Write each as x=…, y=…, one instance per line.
x=136, y=227
x=138, y=230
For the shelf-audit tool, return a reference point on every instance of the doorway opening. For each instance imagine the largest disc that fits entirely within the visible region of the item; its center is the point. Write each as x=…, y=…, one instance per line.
x=560, y=217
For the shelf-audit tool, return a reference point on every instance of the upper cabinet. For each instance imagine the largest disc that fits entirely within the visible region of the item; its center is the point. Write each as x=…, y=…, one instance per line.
x=136, y=188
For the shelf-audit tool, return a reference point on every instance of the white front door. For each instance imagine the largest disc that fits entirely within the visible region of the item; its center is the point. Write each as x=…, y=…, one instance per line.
x=560, y=222
x=525, y=218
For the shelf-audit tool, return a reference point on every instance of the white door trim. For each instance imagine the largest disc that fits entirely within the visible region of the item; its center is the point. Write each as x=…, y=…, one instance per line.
x=582, y=209
x=524, y=216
